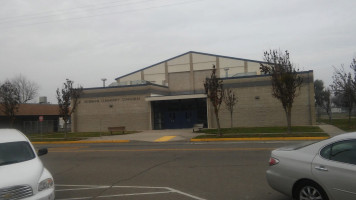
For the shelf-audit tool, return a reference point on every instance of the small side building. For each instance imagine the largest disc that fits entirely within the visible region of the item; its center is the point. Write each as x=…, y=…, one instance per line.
x=171, y=95
x=27, y=118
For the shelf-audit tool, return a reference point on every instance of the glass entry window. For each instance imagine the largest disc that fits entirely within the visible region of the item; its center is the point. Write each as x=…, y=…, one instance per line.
x=176, y=114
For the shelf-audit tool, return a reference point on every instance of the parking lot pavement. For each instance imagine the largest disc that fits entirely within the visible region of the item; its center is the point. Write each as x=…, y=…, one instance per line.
x=78, y=192
x=175, y=170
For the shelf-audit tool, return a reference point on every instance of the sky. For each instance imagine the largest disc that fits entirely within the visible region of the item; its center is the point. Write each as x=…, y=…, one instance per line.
x=48, y=41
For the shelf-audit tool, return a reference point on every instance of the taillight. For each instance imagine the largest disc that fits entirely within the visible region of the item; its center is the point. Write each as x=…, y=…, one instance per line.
x=273, y=161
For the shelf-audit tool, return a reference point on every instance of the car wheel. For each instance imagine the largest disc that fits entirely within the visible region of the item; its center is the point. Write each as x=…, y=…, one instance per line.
x=310, y=191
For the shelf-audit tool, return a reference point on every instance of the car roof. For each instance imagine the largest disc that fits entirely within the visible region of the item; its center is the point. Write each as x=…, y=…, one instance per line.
x=351, y=135
x=11, y=135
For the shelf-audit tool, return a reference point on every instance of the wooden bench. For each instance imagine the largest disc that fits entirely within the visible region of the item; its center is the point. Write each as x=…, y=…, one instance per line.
x=198, y=127
x=115, y=129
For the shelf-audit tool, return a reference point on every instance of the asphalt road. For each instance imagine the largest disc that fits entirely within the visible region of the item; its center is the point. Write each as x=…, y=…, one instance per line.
x=162, y=170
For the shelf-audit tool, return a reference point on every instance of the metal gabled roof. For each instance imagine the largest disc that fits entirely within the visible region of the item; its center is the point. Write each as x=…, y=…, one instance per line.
x=206, y=54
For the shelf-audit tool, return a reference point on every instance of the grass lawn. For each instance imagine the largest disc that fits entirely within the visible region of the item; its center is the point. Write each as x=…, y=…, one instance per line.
x=245, y=132
x=72, y=136
x=342, y=124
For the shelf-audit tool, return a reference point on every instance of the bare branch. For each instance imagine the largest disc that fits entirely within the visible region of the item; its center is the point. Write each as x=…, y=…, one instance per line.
x=230, y=100
x=28, y=90
x=344, y=86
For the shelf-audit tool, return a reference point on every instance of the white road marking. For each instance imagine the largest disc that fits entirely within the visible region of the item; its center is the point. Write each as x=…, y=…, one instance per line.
x=119, y=195
x=93, y=187
x=186, y=194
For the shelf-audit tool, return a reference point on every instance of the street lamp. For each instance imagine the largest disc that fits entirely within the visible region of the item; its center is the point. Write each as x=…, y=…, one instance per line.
x=103, y=79
x=226, y=72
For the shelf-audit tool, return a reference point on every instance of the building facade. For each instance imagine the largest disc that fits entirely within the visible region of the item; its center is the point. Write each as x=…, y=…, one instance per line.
x=171, y=95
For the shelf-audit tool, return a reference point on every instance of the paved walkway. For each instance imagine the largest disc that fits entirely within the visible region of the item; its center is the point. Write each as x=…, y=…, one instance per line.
x=154, y=136
x=187, y=135
x=331, y=130
x=182, y=135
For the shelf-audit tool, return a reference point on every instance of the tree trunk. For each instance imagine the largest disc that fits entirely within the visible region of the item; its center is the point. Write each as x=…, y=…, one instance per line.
x=231, y=119
x=329, y=115
x=65, y=130
x=218, y=121
x=318, y=114
x=12, y=120
x=289, y=119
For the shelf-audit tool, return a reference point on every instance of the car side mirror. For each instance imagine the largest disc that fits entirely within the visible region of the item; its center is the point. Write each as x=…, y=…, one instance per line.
x=42, y=152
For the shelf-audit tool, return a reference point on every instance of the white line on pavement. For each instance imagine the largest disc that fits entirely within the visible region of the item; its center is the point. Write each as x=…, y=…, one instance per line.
x=93, y=187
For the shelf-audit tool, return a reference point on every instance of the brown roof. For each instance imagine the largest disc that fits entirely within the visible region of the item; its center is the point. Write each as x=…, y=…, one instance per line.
x=37, y=109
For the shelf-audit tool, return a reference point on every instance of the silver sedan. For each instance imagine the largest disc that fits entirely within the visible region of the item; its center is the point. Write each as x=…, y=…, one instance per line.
x=324, y=170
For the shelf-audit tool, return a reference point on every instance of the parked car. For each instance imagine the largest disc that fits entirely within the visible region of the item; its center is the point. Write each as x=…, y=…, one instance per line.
x=22, y=174
x=324, y=170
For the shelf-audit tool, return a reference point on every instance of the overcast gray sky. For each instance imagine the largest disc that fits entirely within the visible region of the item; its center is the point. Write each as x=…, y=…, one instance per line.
x=48, y=41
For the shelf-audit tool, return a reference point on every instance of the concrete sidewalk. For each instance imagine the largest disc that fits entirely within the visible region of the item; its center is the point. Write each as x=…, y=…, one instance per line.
x=187, y=135
x=153, y=135
x=331, y=130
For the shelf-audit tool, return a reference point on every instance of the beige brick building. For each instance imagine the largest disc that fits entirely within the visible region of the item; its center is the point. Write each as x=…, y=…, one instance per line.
x=170, y=95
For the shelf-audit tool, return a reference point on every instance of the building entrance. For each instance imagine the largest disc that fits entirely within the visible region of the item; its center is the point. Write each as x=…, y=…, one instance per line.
x=176, y=114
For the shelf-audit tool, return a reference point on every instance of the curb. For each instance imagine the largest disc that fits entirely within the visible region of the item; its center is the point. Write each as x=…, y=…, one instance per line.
x=191, y=140
x=258, y=139
x=84, y=142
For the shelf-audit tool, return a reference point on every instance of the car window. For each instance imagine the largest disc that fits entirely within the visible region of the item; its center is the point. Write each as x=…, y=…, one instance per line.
x=344, y=151
x=15, y=152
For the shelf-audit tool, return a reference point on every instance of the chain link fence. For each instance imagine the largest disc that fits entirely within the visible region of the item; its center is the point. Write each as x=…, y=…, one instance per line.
x=37, y=127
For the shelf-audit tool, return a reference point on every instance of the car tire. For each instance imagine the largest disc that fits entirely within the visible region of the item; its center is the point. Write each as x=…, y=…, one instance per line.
x=310, y=190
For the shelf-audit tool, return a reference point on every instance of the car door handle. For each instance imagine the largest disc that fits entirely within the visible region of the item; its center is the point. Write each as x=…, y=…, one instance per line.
x=321, y=168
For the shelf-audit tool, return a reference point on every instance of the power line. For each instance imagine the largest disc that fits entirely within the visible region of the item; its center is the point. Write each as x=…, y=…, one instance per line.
x=111, y=13
x=69, y=11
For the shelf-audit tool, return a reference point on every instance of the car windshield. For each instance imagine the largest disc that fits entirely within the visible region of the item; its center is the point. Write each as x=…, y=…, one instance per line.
x=15, y=152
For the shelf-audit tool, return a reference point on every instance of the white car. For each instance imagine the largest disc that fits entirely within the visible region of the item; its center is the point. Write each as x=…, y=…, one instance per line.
x=324, y=170
x=22, y=174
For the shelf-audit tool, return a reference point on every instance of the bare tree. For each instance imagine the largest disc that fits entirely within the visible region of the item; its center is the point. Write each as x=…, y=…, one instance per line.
x=327, y=102
x=214, y=91
x=322, y=98
x=28, y=90
x=285, y=80
x=344, y=87
x=353, y=67
x=9, y=100
x=318, y=89
x=68, y=101
x=230, y=100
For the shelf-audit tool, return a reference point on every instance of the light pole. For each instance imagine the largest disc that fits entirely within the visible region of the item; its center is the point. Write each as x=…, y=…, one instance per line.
x=226, y=72
x=103, y=79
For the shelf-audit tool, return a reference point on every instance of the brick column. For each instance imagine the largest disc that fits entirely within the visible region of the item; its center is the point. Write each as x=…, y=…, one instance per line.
x=191, y=73
x=166, y=72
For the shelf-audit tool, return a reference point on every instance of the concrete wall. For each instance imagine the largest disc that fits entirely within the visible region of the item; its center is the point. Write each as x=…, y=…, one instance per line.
x=179, y=82
x=108, y=107
x=199, y=79
x=96, y=114
x=257, y=107
x=155, y=74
